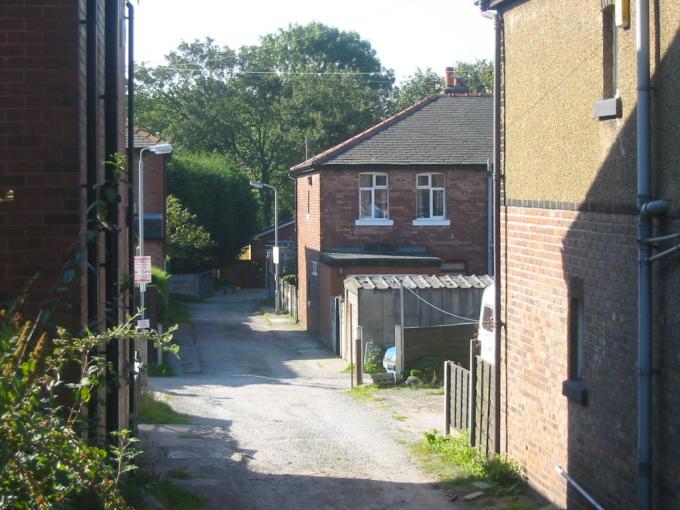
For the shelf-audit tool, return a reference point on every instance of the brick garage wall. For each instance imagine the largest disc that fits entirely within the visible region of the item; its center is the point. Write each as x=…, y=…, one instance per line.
x=542, y=429
x=466, y=206
x=308, y=244
x=39, y=144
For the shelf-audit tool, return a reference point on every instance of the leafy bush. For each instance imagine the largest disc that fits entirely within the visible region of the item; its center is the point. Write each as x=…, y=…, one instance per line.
x=430, y=369
x=289, y=278
x=44, y=461
x=217, y=191
x=188, y=243
x=373, y=359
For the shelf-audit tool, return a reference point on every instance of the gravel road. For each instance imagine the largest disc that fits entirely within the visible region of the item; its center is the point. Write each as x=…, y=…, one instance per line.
x=272, y=428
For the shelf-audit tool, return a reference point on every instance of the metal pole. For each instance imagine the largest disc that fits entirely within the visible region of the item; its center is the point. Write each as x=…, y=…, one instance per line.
x=140, y=219
x=644, y=264
x=276, y=247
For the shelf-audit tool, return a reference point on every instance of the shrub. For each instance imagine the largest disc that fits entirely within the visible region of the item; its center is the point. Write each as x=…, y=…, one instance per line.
x=161, y=280
x=373, y=359
x=44, y=461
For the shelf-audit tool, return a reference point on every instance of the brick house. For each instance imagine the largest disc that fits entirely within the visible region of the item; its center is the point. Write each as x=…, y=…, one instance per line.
x=155, y=195
x=408, y=195
x=569, y=248
x=61, y=113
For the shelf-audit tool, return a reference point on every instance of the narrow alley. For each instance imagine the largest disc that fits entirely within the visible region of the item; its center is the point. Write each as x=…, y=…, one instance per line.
x=272, y=426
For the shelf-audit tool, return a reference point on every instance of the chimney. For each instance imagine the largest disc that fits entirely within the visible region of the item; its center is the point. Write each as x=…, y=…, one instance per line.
x=453, y=85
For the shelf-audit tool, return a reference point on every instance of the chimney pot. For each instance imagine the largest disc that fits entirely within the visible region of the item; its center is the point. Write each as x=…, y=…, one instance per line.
x=450, y=79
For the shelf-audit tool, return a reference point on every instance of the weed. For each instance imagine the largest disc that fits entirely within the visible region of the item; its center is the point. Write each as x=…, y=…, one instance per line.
x=162, y=370
x=364, y=393
x=399, y=417
x=457, y=462
x=349, y=368
x=153, y=410
x=436, y=392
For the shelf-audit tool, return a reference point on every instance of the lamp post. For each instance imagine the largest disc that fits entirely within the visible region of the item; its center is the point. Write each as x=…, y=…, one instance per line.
x=161, y=148
x=260, y=185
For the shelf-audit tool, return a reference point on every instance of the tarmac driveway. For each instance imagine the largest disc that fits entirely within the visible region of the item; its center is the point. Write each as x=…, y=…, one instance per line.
x=272, y=427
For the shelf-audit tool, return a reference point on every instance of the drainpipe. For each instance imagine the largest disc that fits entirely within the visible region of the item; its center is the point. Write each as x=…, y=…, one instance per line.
x=497, y=231
x=644, y=186
x=111, y=145
x=489, y=218
x=131, y=145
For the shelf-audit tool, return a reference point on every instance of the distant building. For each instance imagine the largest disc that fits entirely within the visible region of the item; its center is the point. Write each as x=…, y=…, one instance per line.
x=408, y=195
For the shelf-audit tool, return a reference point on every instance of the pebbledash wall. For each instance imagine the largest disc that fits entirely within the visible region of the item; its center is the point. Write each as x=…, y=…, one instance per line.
x=570, y=212
x=327, y=207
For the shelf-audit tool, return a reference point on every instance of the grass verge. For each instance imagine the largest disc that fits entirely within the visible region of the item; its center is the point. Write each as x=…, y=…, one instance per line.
x=153, y=410
x=458, y=465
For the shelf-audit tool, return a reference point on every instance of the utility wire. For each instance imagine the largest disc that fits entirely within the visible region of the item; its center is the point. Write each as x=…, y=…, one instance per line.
x=470, y=321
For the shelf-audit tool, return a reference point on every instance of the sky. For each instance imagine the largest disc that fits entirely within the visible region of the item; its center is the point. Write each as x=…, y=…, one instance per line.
x=406, y=34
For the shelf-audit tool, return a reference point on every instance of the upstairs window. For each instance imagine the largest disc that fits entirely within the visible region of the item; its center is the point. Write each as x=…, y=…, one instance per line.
x=430, y=203
x=373, y=197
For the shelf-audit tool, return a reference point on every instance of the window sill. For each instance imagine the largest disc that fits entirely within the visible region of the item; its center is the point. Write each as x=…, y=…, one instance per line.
x=608, y=108
x=374, y=223
x=435, y=222
x=575, y=390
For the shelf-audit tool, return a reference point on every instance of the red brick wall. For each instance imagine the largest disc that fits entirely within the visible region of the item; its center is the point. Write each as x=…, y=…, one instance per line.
x=464, y=240
x=154, y=181
x=308, y=244
x=39, y=144
x=541, y=428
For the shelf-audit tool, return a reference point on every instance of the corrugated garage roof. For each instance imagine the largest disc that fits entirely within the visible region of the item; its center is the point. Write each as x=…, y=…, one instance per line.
x=381, y=282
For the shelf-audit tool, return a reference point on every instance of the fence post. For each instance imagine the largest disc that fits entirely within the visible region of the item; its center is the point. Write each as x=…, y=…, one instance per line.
x=447, y=398
x=472, y=392
x=357, y=361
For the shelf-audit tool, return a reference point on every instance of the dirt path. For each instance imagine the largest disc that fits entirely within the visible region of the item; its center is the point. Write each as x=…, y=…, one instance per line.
x=272, y=428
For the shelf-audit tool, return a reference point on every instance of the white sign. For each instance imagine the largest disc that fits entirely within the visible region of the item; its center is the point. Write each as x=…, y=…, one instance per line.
x=143, y=324
x=143, y=269
x=275, y=254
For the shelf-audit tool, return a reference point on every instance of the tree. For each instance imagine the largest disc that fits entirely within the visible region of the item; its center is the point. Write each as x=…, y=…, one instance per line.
x=310, y=83
x=416, y=88
x=188, y=242
x=477, y=75
x=216, y=191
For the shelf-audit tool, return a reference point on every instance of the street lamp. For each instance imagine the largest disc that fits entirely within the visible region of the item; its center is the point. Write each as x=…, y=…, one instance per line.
x=161, y=148
x=260, y=185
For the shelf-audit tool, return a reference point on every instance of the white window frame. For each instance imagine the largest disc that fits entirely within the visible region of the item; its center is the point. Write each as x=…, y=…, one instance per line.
x=372, y=220
x=431, y=220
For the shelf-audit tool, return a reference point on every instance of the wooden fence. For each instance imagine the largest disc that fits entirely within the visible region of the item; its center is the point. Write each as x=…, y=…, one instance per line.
x=469, y=400
x=288, y=299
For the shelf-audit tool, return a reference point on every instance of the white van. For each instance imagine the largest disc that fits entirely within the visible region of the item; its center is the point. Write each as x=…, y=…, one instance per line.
x=485, y=333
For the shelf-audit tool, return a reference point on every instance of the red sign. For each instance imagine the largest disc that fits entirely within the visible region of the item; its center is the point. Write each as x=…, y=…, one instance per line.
x=143, y=269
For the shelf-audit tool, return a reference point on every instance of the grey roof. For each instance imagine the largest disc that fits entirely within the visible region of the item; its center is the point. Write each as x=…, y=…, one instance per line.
x=143, y=139
x=442, y=130
x=382, y=282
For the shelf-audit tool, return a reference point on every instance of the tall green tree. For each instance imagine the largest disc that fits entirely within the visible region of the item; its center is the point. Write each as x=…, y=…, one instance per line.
x=308, y=85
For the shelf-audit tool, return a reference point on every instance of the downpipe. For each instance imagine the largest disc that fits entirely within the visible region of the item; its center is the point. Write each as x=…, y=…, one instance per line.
x=644, y=187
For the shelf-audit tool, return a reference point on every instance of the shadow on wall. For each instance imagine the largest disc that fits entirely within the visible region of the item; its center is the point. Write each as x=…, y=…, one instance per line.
x=599, y=256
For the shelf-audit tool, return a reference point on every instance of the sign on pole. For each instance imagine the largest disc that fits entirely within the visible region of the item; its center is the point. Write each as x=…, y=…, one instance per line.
x=143, y=324
x=275, y=254
x=142, y=269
